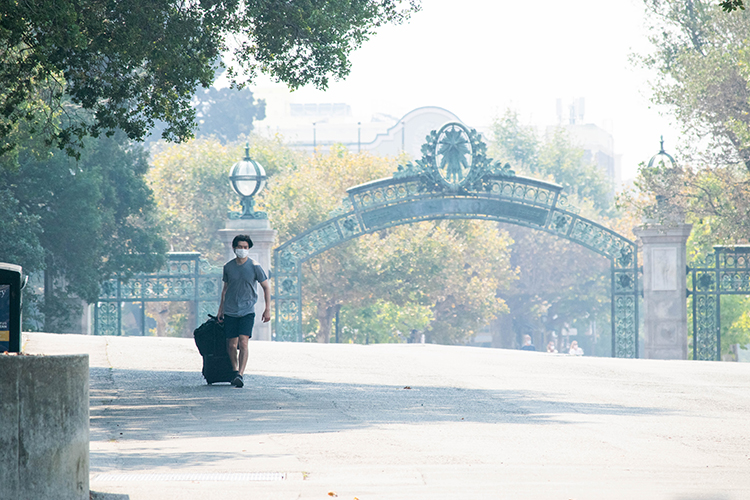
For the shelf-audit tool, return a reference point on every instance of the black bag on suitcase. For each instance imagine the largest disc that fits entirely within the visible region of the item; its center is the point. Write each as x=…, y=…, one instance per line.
x=211, y=343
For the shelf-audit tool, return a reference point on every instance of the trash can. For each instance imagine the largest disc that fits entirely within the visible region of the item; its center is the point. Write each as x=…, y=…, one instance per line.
x=12, y=282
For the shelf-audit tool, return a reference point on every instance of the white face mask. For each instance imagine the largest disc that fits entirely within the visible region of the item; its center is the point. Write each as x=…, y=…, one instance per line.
x=242, y=253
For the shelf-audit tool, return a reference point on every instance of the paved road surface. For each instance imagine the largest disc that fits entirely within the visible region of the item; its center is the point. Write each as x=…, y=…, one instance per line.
x=410, y=422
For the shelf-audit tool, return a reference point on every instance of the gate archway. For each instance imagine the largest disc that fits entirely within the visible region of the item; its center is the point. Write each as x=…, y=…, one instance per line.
x=455, y=179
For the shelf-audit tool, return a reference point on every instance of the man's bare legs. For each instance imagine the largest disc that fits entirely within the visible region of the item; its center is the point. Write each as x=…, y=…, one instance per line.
x=238, y=360
x=232, y=351
x=244, y=354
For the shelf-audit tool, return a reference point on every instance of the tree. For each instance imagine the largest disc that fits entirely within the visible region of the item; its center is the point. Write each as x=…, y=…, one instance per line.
x=562, y=160
x=302, y=196
x=556, y=159
x=702, y=76
x=453, y=267
x=228, y=113
x=732, y=5
x=120, y=65
x=514, y=142
x=715, y=199
x=735, y=323
x=84, y=220
x=20, y=231
x=383, y=322
x=701, y=68
x=559, y=283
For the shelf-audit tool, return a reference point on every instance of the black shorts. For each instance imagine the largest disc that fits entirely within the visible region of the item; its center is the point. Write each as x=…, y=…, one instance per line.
x=236, y=326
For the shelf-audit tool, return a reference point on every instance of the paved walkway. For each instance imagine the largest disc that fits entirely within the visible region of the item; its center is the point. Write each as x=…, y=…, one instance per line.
x=411, y=422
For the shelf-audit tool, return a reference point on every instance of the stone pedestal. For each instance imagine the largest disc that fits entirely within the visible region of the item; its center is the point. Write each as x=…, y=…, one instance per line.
x=664, y=289
x=44, y=442
x=263, y=238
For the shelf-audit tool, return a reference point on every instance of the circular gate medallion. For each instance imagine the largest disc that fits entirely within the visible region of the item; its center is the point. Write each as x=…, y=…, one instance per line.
x=453, y=154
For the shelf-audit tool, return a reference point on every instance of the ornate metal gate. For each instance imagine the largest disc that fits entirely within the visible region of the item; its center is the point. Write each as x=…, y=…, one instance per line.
x=725, y=271
x=456, y=180
x=185, y=277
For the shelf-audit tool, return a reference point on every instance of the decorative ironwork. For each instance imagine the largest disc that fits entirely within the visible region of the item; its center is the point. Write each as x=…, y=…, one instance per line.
x=453, y=154
x=248, y=210
x=453, y=159
x=725, y=271
x=185, y=278
x=625, y=319
x=455, y=179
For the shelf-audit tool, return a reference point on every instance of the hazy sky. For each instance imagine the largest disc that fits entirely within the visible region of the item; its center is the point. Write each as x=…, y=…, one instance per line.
x=478, y=57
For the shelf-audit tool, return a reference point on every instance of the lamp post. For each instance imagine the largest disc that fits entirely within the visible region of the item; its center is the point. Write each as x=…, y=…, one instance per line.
x=664, y=161
x=663, y=242
x=247, y=178
x=662, y=157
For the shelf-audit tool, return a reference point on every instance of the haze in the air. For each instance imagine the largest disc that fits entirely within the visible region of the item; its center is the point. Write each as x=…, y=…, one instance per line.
x=477, y=58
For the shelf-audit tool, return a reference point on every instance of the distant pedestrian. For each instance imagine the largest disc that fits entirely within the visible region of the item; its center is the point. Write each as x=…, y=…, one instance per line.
x=238, y=298
x=551, y=346
x=574, y=349
x=527, y=344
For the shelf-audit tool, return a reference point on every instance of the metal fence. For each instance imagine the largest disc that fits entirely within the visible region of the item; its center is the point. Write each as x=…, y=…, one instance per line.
x=185, y=278
x=725, y=271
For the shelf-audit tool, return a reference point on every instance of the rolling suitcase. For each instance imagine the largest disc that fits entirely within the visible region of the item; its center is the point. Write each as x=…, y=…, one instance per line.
x=217, y=368
x=211, y=343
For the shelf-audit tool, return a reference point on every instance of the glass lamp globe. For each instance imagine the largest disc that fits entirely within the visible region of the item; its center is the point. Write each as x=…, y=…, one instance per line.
x=662, y=158
x=247, y=177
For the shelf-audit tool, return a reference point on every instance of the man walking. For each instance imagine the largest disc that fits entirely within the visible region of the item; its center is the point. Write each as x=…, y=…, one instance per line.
x=238, y=298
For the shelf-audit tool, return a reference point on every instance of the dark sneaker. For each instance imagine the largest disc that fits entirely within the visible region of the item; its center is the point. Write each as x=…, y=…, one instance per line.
x=237, y=381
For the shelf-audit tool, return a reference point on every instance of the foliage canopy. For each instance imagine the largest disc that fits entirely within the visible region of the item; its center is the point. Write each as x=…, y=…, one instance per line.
x=702, y=75
x=78, y=221
x=192, y=192
x=123, y=64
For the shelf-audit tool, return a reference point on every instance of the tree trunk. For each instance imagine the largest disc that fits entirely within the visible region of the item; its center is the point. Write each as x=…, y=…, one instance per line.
x=504, y=334
x=325, y=319
x=48, y=294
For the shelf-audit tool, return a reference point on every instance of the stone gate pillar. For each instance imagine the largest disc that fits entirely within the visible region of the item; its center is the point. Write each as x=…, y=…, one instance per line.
x=263, y=237
x=664, y=289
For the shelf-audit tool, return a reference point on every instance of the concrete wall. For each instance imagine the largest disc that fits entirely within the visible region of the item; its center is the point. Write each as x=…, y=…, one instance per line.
x=44, y=427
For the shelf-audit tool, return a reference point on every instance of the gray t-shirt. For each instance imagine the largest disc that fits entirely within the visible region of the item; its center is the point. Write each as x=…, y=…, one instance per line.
x=241, y=296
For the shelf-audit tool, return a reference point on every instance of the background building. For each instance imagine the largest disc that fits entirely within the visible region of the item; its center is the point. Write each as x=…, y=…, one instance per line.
x=310, y=126
x=597, y=143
